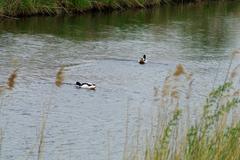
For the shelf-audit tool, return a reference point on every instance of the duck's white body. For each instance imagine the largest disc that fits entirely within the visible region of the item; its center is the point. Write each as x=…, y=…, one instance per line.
x=85, y=85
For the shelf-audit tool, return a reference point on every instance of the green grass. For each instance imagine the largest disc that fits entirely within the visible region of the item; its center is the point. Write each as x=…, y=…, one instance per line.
x=53, y=7
x=1, y=7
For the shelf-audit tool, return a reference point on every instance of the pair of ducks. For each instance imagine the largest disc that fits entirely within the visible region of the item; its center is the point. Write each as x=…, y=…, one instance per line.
x=92, y=86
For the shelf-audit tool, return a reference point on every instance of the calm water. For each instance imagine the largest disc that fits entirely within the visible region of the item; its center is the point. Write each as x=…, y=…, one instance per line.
x=104, y=49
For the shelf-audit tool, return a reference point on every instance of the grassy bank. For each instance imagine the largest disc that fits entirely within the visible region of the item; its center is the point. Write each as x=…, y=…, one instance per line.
x=54, y=7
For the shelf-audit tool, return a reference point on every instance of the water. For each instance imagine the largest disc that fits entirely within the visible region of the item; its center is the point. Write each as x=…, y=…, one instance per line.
x=104, y=48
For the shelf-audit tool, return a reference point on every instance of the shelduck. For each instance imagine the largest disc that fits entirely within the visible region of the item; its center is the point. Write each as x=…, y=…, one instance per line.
x=142, y=60
x=85, y=85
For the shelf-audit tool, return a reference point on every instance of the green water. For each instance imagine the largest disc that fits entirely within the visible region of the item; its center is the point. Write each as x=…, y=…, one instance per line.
x=91, y=26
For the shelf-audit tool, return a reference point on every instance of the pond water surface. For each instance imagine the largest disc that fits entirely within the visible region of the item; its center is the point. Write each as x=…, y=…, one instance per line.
x=103, y=48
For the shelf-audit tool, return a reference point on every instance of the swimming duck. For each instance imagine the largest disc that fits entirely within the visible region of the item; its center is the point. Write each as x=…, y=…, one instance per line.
x=85, y=85
x=142, y=60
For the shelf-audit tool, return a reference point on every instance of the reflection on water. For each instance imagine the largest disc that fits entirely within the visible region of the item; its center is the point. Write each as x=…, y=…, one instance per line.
x=104, y=49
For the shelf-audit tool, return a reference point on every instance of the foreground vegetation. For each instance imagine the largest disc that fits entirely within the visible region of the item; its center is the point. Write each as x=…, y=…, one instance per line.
x=53, y=7
x=213, y=135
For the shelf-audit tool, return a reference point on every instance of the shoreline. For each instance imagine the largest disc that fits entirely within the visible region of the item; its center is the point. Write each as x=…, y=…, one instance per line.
x=19, y=10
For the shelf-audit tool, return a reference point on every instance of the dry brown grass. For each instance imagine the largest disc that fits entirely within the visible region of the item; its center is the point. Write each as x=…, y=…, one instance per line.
x=2, y=88
x=179, y=70
x=42, y=137
x=60, y=77
x=12, y=80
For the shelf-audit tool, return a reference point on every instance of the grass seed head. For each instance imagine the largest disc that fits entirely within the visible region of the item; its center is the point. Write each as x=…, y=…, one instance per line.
x=59, y=77
x=12, y=80
x=179, y=70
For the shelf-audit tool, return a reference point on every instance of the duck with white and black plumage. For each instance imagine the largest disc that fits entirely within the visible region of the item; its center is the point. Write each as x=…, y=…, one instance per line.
x=143, y=60
x=85, y=85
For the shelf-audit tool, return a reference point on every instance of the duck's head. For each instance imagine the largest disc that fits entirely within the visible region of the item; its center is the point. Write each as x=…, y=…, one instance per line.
x=144, y=57
x=78, y=83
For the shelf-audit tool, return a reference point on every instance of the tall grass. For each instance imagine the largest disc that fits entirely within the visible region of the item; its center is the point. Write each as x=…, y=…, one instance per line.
x=215, y=135
x=53, y=7
x=40, y=147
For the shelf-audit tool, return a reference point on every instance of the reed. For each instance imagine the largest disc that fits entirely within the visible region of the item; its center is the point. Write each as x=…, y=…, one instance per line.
x=40, y=149
x=214, y=135
x=2, y=88
x=1, y=141
x=40, y=146
x=179, y=70
x=9, y=85
x=12, y=80
x=59, y=77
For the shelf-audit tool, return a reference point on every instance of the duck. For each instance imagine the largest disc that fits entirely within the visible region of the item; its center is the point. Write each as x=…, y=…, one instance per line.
x=90, y=86
x=142, y=60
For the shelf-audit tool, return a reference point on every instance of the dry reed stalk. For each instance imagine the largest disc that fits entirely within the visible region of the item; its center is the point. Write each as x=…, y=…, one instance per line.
x=230, y=64
x=1, y=137
x=1, y=141
x=166, y=88
x=126, y=134
x=60, y=77
x=175, y=94
x=179, y=70
x=170, y=93
x=41, y=138
x=108, y=146
x=2, y=88
x=12, y=80
x=235, y=72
